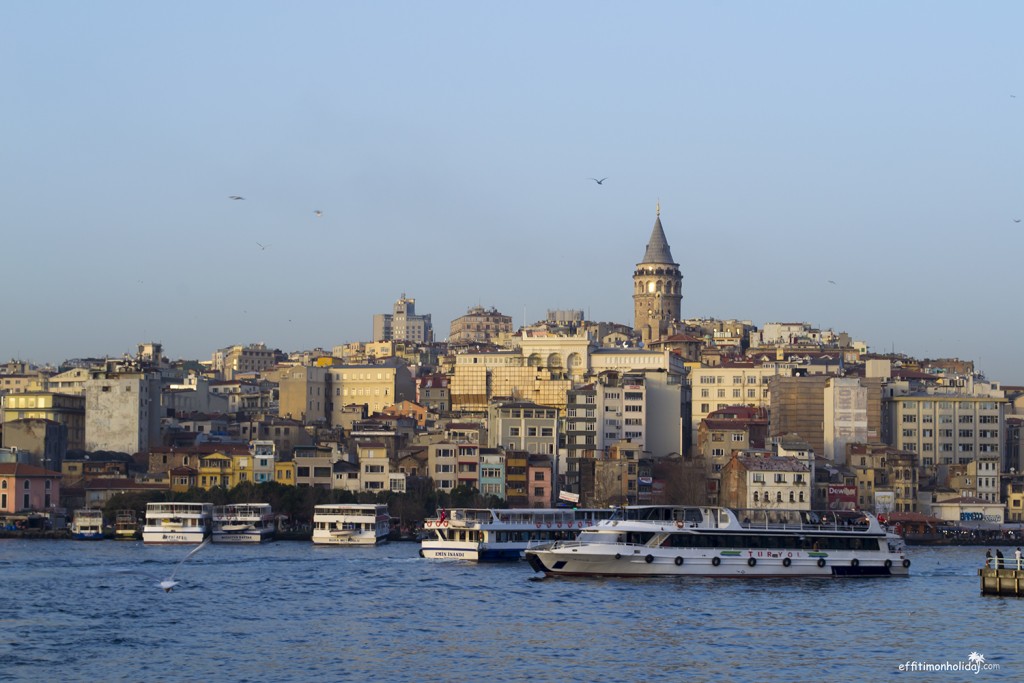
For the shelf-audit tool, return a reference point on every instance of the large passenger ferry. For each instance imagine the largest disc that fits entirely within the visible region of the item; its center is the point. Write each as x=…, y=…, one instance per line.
x=177, y=522
x=243, y=523
x=487, y=535
x=354, y=524
x=709, y=541
x=87, y=525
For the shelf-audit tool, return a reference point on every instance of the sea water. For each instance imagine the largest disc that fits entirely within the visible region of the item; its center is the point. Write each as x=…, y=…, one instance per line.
x=291, y=611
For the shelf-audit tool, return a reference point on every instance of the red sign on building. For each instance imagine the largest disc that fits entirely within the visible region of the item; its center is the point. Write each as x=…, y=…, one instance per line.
x=842, y=497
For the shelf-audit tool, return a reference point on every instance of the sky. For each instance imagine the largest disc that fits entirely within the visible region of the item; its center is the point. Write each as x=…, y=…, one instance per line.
x=450, y=147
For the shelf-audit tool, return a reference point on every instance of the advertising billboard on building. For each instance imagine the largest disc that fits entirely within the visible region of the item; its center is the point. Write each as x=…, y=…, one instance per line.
x=842, y=497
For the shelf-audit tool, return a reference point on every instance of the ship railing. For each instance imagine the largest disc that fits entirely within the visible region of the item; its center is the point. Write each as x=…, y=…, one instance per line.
x=833, y=526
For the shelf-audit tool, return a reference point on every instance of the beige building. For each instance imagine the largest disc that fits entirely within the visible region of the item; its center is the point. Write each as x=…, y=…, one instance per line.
x=948, y=426
x=479, y=325
x=765, y=482
x=69, y=382
x=375, y=470
x=65, y=409
x=303, y=393
x=724, y=433
x=238, y=359
x=886, y=478
x=375, y=386
x=523, y=426
x=733, y=384
x=544, y=367
x=122, y=411
x=403, y=324
x=442, y=465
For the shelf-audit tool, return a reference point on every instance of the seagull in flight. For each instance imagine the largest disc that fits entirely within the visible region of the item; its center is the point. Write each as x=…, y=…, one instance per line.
x=599, y=182
x=236, y=197
x=263, y=247
x=832, y=281
x=318, y=213
x=1016, y=220
x=169, y=583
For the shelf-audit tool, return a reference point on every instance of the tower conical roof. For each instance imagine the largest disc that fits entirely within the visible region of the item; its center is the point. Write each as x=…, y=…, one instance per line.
x=657, y=247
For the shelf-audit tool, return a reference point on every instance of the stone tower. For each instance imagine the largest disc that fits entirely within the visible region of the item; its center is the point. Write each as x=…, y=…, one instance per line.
x=657, y=288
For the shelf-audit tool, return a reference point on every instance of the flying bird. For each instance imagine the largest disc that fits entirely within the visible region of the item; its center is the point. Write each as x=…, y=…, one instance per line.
x=318, y=213
x=169, y=583
x=235, y=197
x=832, y=281
x=599, y=182
x=262, y=247
x=1016, y=220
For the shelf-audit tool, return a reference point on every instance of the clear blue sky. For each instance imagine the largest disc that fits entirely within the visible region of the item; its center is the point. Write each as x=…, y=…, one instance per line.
x=449, y=146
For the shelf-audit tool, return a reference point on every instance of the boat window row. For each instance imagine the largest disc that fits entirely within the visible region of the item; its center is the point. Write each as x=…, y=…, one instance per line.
x=524, y=536
x=780, y=542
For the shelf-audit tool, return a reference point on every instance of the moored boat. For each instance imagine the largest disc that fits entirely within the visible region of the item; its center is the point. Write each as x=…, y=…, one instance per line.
x=489, y=535
x=87, y=525
x=352, y=524
x=126, y=525
x=177, y=522
x=707, y=541
x=243, y=523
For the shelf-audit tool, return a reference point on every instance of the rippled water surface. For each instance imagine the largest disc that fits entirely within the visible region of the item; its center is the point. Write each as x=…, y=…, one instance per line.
x=289, y=611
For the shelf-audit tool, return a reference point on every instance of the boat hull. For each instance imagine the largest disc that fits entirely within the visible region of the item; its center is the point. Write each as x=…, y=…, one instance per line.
x=249, y=536
x=173, y=536
x=349, y=539
x=472, y=553
x=87, y=535
x=736, y=564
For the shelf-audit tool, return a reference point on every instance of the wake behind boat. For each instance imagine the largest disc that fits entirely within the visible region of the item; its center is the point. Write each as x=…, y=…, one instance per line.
x=706, y=541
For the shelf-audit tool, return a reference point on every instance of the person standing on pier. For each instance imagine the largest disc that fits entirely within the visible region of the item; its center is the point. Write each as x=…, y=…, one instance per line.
x=999, y=558
x=1018, y=557
x=988, y=558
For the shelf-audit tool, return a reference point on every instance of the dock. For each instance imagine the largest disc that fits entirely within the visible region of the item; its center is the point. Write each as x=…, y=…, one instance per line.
x=1002, y=581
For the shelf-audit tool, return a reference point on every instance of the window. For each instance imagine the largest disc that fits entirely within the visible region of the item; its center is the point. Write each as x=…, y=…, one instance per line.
x=513, y=431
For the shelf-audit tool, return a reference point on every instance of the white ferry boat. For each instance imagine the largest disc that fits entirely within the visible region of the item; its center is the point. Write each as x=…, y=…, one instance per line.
x=126, y=525
x=708, y=541
x=177, y=522
x=490, y=535
x=243, y=523
x=87, y=525
x=353, y=524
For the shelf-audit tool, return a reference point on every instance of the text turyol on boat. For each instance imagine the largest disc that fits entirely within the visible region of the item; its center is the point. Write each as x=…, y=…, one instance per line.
x=487, y=535
x=659, y=540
